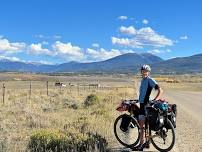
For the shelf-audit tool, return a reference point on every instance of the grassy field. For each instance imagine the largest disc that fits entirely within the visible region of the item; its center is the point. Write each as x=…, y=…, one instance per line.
x=26, y=110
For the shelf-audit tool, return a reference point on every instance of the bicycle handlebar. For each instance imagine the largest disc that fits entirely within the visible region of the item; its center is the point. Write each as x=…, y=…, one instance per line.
x=130, y=100
x=136, y=101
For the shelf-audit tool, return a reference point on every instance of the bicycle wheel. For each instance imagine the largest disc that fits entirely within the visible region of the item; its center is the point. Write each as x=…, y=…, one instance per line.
x=165, y=139
x=128, y=138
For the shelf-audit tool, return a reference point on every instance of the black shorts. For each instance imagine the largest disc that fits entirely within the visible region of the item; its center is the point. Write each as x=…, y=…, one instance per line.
x=142, y=109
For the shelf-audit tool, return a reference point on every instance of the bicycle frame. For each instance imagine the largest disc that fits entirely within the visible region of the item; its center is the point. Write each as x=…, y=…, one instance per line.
x=130, y=106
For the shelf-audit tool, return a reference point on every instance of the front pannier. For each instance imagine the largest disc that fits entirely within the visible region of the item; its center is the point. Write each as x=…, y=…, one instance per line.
x=155, y=118
x=126, y=119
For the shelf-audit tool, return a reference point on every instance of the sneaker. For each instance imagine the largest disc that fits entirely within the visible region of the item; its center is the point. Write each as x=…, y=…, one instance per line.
x=146, y=145
x=137, y=148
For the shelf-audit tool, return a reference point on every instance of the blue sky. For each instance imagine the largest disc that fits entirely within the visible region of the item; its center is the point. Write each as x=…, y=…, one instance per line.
x=58, y=31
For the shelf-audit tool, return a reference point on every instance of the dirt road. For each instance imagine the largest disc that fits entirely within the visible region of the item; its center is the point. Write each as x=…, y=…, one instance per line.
x=189, y=119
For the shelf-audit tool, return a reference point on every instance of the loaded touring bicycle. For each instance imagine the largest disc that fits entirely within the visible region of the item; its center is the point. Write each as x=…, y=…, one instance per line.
x=159, y=129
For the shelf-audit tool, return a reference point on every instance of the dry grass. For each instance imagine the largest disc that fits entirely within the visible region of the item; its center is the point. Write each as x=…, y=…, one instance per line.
x=23, y=114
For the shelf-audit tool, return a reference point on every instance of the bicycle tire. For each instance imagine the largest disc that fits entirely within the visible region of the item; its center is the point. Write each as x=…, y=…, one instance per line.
x=135, y=123
x=173, y=138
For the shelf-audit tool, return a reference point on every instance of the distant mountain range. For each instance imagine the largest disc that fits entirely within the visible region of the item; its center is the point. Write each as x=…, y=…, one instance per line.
x=126, y=63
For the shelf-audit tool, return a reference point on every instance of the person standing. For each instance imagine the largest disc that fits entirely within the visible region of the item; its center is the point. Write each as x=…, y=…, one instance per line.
x=146, y=87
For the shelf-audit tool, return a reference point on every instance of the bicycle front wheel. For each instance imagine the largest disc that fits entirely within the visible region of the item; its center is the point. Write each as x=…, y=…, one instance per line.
x=129, y=137
x=164, y=139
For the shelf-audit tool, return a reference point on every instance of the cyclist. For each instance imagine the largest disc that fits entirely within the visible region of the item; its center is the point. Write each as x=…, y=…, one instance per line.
x=147, y=84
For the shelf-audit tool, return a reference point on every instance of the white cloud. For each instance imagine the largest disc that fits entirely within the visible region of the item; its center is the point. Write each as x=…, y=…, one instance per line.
x=126, y=51
x=156, y=51
x=15, y=59
x=145, y=21
x=96, y=45
x=41, y=36
x=38, y=50
x=150, y=37
x=101, y=54
x=141, y=37
x=172, y=57
x=40, y=62
x=8, y=47
x=184, y=37
x=126, y=42
x=128, y=30
x=68, y=51
x=62, y=50
x=45, y=62
x=122, y=17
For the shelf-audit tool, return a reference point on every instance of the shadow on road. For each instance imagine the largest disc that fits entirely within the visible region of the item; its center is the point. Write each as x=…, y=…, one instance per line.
x=123, y=149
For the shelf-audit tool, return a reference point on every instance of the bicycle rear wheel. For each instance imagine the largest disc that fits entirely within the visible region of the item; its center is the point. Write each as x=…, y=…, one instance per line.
x=165, y=139
x=129, y=138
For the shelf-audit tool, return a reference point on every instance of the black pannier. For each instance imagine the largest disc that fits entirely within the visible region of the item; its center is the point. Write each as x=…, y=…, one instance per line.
x=126, y=119
x=155, y=118
x=174, y=109
x=172, y=115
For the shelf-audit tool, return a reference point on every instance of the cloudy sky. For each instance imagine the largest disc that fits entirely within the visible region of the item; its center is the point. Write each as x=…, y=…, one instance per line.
x=58, y=31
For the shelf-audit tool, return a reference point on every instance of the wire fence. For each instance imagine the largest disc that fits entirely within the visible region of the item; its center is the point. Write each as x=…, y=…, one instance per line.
x=29, y=88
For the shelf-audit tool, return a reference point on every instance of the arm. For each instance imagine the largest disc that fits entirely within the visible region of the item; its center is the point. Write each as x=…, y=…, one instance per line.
x=155, y=85
x=159, y=92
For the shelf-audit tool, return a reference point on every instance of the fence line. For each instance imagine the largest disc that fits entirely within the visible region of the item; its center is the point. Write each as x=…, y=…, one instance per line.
x=48, y=87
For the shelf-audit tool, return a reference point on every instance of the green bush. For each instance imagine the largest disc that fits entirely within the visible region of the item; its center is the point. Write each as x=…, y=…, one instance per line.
x=58, y=141
x=91, y=100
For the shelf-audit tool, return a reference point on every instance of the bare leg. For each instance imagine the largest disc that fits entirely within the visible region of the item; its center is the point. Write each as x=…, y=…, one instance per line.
x=142, y=132
x=142, y=123
x=142, y=126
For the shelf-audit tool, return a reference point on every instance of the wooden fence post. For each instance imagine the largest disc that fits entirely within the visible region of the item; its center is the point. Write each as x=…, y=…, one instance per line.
x=30, y=90
x=78, y=88
x=47, y=87
x=3, y=93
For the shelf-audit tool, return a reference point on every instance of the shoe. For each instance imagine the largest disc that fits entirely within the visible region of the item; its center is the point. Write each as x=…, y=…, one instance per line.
x=146, y=145
x=137, y=148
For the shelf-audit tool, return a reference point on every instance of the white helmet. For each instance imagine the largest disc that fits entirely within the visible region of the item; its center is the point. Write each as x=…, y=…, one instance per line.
x=146, y=67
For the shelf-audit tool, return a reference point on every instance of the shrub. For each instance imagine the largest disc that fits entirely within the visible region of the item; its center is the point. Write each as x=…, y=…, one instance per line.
x=58, y=141
x=91, y=100
x=70, y=104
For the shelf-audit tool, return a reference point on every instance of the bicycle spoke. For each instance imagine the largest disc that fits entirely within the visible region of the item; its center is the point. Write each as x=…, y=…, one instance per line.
x=165, y=142
x=130, y=136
